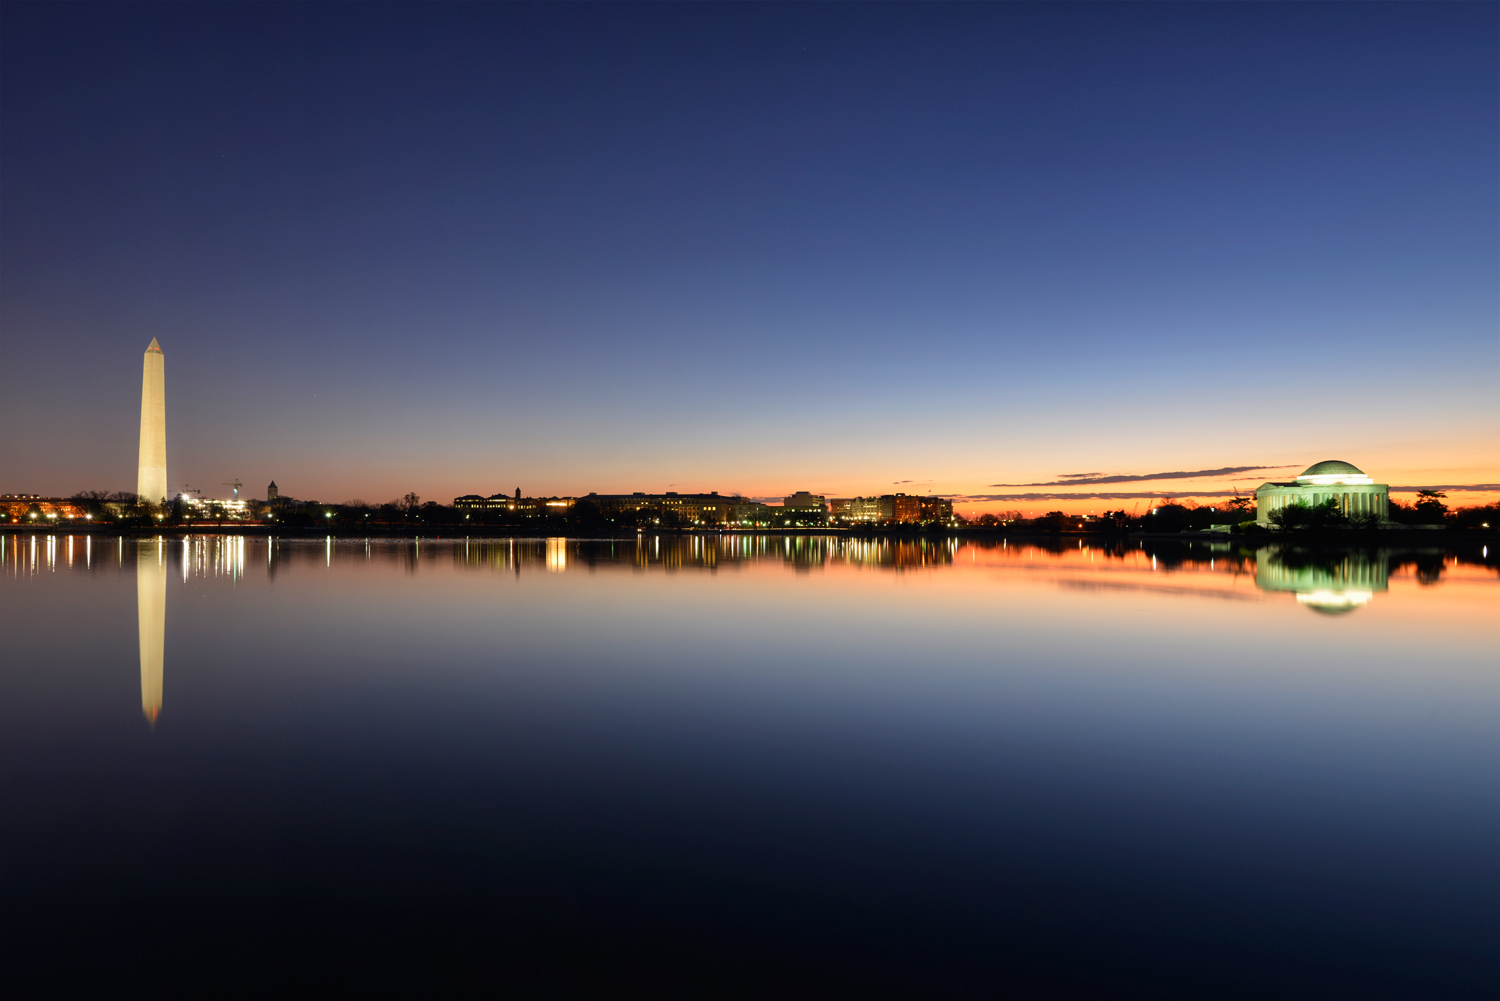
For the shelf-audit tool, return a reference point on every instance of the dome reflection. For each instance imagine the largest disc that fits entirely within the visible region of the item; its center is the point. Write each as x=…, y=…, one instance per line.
x=1332, y=583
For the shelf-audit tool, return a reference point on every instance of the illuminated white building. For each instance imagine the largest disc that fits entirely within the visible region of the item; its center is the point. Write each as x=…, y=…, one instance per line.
x=863, y=509
x=1356, y=494
x=151, y=477
x=212, y=508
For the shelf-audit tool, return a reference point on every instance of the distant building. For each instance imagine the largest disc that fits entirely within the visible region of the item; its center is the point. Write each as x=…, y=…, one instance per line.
x=937, y=509
x=36, y=508
x=902, y=509
x=1356, y=494
x=213, y=509
x=478, y=502
x=908, y=509
x=701, y=510
x=673, y=509
x=804, y=501
x=863, y=510
x=272, y=492
x=752, y=514
x=683, y=509
x=517, y=505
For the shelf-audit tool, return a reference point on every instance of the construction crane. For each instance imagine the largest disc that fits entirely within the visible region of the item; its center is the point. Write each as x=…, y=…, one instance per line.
x=236, y=484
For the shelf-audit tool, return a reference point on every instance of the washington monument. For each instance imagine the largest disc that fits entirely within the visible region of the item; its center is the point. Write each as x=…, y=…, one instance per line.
x=151, y=480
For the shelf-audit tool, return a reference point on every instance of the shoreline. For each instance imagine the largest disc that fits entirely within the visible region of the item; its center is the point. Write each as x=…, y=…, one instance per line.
x=1435, y=535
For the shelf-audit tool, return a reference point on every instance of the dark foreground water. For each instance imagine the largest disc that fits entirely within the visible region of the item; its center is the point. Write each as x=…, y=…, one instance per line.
x=746, y=767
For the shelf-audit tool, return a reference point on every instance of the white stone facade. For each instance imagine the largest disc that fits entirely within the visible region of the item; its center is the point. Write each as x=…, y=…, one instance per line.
x=1356, y=494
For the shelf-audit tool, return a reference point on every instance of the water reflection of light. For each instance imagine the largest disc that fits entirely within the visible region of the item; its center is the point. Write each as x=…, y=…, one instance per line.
x=1330, y=582
x=1210, y=569
x=1334, y=601
x=223, y=555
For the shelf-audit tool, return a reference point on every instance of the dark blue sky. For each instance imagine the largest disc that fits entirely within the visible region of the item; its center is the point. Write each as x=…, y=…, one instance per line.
x=448, y=248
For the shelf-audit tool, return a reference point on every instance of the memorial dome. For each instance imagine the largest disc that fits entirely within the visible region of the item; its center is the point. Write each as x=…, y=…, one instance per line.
x=1328, y=467
x=1334, y=472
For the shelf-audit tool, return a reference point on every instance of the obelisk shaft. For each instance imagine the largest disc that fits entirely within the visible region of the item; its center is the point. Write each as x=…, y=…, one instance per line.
x=151, y=480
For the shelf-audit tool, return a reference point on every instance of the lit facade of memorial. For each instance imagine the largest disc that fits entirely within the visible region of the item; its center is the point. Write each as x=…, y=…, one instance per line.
x=1357, y=495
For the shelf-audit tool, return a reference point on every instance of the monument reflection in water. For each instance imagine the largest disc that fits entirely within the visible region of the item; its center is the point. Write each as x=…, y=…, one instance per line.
x=151, y=613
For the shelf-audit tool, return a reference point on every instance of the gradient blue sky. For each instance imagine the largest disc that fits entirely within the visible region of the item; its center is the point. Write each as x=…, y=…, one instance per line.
x=455, y=248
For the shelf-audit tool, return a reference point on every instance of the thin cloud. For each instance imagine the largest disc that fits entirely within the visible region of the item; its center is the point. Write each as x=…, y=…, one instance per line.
x=1478, y=488
x=1078, y=476
x=1082, y=479
x=1136, y=495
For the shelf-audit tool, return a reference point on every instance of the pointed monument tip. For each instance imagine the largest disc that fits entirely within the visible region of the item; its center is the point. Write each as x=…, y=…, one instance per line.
x=154, y=346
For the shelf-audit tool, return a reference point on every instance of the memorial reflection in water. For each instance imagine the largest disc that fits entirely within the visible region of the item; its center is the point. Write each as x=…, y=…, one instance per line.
x=1328, y=582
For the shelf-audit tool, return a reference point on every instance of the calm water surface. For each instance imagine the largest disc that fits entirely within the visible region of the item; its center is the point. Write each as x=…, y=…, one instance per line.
x=746, y=767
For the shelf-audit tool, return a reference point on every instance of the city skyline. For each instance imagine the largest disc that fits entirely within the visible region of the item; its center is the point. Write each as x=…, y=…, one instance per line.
x=1074, y=493
x=1081, y=496
x=958, y=251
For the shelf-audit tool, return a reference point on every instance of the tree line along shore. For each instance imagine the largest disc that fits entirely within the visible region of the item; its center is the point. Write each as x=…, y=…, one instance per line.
x=102, y=511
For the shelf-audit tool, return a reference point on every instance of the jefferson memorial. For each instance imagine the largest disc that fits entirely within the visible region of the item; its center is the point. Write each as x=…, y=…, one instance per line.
x=1357, y=495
